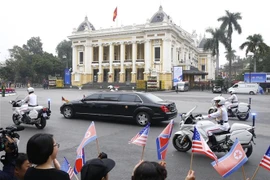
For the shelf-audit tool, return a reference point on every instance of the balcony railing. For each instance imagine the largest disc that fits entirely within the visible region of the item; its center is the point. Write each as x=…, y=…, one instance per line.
x=140, y=60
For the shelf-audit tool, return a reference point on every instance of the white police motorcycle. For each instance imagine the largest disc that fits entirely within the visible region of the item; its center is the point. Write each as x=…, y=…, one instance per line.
x=241, y=111
x=22, y=113
x=182, y=140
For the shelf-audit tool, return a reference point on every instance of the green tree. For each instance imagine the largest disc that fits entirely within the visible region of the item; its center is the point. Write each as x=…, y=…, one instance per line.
x=64, y=52
x=255, y=45
x=212, y=44
x=230, y=55
x=230, y=22
x=30, y=63
x=34, y=46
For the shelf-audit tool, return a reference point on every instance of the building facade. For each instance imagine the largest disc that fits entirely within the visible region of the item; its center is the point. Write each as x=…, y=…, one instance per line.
x=129, y=53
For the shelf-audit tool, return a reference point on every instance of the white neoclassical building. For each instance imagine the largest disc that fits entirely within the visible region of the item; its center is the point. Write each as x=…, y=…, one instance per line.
x=129, y=53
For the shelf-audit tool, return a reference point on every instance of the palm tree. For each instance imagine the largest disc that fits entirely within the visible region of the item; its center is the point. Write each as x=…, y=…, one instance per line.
x=230, y=21
x=230, y=55
x=212, y=44
x=255, y=45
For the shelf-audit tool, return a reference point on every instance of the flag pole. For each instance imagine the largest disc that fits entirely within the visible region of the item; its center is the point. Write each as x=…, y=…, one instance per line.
x=243, y=171
x=255, y=172
x=142, y=153
x=76, y=176
x=97, y=146
x=191, y=161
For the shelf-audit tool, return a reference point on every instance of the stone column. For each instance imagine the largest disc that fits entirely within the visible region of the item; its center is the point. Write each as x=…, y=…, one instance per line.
x=100, y=59
x=166, y=56
x=74, y=59
x=147, y=57
x=111, y=77
x=134, y=58
x=88, y=58
x=122, y=59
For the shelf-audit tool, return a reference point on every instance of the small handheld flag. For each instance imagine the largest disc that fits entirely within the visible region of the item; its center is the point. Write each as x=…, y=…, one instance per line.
x=162, y=141
x=232, y=161
x=141, y=138
x=79, y=162
x=65, y=166
x=200, y=146
x=90, y=135
x=265, y=162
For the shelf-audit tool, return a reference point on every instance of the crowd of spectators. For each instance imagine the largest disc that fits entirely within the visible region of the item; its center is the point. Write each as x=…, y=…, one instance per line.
x=40, y=163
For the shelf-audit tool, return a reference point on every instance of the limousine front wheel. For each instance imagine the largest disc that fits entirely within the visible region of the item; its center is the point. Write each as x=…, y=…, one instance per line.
x=68, y=112
x=142, y=118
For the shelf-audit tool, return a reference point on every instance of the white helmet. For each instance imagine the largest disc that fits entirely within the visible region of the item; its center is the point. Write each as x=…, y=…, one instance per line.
x=30, y=90
x=220, y=100
x=232, y=91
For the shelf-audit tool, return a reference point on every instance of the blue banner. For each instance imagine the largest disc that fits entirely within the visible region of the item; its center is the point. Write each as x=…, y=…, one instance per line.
x=255, y=77
x=177, y=75
x=67, y=76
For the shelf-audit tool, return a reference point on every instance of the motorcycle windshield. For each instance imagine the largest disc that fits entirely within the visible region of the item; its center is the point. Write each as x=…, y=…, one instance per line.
x=189, y=112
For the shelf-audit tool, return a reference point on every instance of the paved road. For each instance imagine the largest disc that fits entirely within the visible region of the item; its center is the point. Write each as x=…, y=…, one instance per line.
x=113, y=137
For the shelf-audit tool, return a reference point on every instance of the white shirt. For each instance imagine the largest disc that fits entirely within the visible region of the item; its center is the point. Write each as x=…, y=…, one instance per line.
x=220, y=114
x=233, y=98
x=31, y=99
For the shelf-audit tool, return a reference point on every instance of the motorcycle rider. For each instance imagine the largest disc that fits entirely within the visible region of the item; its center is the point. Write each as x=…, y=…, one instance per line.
x=234, y=101
x=31, y=100
x=221, y=116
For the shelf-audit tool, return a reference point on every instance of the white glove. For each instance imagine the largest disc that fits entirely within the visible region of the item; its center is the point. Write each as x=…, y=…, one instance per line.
x=199, y=118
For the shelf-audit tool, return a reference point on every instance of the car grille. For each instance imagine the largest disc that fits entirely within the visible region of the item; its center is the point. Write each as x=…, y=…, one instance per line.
x=172, y=107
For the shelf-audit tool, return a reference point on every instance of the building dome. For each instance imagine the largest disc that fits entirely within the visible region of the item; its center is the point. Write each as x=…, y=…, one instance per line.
x=202, y=43
x=159, y=16
x=86, y=25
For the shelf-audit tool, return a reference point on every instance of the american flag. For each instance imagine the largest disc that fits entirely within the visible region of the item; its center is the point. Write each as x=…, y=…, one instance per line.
x=199, y=145
x=265, y=162
x=65, y=166
x=141, y=138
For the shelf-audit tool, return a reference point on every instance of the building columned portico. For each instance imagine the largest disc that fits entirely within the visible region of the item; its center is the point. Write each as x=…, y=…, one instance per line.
x=129, y=53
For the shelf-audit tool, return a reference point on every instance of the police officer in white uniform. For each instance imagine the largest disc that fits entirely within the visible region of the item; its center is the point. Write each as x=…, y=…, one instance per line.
x=221, y=116
x=31, y=99
x=233, y=99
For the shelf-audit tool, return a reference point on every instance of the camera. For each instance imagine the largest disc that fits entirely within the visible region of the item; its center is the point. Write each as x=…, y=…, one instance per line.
x=10, y=132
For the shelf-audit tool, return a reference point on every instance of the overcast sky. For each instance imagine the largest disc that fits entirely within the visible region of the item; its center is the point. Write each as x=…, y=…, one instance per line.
x=54, y=20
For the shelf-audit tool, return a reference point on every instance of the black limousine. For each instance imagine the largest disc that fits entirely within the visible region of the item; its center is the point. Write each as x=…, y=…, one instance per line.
x=138, y=106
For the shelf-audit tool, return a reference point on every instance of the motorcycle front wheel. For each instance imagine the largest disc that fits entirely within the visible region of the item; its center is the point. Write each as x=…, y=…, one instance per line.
x=15, y=119
x=181, y=143
x=248, y=150
x=42, y=123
